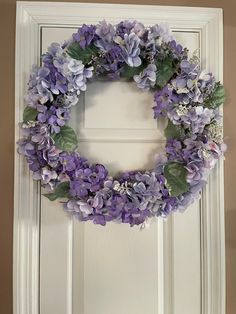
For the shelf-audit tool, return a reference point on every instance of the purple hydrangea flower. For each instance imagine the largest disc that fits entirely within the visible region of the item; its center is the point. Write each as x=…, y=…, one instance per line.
x=67, y=75
x=164, y=100
x=169, y=205
x=161, y=32
x=195, y=118
x=45, y=175
x=105, y=30
x=85, y=35
x=106, y=33
x=111, y=63
x=176, y=48
x=174, y=149
x=188, y=198
x=51, y=156
x=33, y=157
x=79, y=208
x=147, y=184
x=77, y=76
x=147, y=78
x=41, y=136
x=54, y=117
x=125, y=27
x=147, y=189
x=131, y=50
x=189, y=70
x=72, y=161
x=39, y=87
x=138, y=29
x=192, y=85
x=88, y=180
x=194, y=172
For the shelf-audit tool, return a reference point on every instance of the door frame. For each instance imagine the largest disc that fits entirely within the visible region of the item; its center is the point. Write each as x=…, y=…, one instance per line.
x=31, y=16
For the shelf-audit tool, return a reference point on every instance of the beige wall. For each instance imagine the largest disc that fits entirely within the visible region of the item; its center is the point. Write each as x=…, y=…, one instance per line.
x=7, y=32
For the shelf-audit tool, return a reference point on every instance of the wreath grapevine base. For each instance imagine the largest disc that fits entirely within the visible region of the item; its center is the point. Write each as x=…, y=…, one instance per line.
x=186, y=96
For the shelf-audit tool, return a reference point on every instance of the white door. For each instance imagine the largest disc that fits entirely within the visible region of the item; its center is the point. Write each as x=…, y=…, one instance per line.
x=117, y=269
x=89, y=269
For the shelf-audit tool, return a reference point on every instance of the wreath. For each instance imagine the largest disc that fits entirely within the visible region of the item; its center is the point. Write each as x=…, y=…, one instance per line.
x=186, y=96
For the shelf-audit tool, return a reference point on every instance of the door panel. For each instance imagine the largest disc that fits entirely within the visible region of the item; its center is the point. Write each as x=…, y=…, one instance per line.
x=89, y=269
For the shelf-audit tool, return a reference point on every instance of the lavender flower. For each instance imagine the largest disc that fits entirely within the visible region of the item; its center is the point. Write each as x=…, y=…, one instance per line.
x=147, y=78
x=131, y=50
x=106, y=33
x=169, y=205
x=147, y=190
x=192, y=86
x=111, y=63
x=41, y=136
x=39, y=87
x=189, y=69
x=188, y=198
x=54, y=117
x=177, y=49
x=138, y=29
x=161, y=32
x=66, y=71
x=45, y=175
x=194, y=172
x=72, y=161
x=164, y=100
x=77, y=76
x=88, y=180
x=33, y=157
x=51, y=156
x=174, y=149
x=195, y=118
x=85, y=35
x=125, y=27
x=147, y=184
x=80, y=209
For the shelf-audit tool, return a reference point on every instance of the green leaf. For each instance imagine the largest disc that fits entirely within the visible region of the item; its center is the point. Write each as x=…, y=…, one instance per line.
x=129, y=72
x=66, y=139
x=176, y=174
x=85, y=55
x=217, y=97
x=173, y=131
x=29, y=114
x=62, y=190
x=165, y=70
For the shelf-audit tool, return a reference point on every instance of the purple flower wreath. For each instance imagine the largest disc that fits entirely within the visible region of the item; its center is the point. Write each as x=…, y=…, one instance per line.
x=187, y=97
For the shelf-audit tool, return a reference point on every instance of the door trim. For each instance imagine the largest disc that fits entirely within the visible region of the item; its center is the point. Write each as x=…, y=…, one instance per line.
x=31, y=16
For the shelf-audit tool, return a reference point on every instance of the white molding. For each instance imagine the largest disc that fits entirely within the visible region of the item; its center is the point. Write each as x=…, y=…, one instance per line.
x=30, y=17
x=213, y=243
x=26, y=194
x=213, y=233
